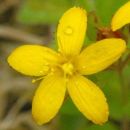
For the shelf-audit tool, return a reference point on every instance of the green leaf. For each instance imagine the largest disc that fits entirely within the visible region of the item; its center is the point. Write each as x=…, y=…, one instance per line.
x=107, y=126
x=42, y=12
x=69, y=108
x=106, y=8
x=70, y=117
x=72, y=122
x=110, y=84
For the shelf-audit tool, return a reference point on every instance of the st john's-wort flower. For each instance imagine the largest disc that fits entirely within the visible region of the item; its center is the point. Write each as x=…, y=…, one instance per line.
x=63, y=70
x=121, y=17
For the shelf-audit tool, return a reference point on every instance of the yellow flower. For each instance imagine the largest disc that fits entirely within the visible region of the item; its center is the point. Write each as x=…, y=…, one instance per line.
x=63, y=71
x=121, y=17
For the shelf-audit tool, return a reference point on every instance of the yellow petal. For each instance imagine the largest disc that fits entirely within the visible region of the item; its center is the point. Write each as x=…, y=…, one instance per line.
x=89, y=99
x=121, y=17
x=33, y=60
x=100, y=55
x=71, y=31
x=48, y=98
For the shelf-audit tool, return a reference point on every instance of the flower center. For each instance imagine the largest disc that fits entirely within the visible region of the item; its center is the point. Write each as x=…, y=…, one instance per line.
x=68, y=68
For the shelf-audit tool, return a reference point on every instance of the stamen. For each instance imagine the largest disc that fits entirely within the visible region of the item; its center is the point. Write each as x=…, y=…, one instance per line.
x=37, y=79
x=68, y=68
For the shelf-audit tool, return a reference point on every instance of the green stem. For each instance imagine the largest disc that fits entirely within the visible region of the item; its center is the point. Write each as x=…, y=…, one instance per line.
x=124, y=90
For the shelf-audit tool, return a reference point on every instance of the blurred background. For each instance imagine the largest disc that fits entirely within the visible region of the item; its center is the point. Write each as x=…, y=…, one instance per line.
x=35, y=22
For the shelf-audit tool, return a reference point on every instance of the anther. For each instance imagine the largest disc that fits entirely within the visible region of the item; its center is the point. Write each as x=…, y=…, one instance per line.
x=37, y=79
x=68, y=68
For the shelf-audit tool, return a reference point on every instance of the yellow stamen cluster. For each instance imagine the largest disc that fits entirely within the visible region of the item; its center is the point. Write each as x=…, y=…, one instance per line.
x=68, y=68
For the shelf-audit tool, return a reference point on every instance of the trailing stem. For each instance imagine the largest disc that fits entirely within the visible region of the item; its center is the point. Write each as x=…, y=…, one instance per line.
x=124, y=90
